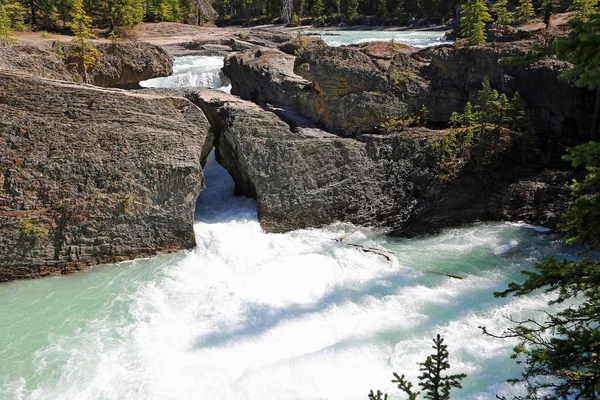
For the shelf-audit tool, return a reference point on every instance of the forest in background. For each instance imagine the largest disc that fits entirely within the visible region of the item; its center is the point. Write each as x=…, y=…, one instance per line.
x=56, y=14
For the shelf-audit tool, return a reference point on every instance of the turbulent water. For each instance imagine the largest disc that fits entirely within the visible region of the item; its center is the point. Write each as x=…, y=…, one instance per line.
x=414, y=38
x=194, y=71
x=250, y=315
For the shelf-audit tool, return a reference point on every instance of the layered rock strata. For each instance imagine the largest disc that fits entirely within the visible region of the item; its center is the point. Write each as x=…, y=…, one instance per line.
x=353, y=90
x=91, y=175
x=120, y=64
x=302, y=176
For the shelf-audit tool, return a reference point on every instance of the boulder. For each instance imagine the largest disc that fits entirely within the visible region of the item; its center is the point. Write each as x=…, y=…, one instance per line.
x=299, y=44
x=126, y=64
x=341, y=89
x=91, y=175
x=267, y=76
x=302, y=176
x=557, y=108
x=352, y=90
x=120, y=64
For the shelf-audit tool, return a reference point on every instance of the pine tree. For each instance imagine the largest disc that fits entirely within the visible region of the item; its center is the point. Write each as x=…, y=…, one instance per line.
x=584, y=8
x=287, y=11
x=525, y=11
x=547, y=9
x=381, y=8
x=436, y=385
x=5, y=37
x=580, y=48
x=475, y=15
x=562, y=352
x=504, y=17
x=318, y=9
x=84, y=51
x=349, y=8
x=16, y=14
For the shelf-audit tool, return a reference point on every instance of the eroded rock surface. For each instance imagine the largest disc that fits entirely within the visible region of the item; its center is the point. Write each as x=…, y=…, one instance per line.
x=120, y=64
x=302, y=176
x=91, y=175
x=352, y=90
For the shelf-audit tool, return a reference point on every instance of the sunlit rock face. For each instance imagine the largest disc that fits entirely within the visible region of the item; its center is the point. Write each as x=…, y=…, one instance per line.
x=94, y=175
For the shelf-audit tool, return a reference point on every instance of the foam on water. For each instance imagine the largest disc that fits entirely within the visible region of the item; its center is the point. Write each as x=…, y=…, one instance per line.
x=196, y=71
x=250, y=315
x=414, y=38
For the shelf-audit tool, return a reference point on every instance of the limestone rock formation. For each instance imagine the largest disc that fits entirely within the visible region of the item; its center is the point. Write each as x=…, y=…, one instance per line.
x=120, y=64
x=304, y=177
x=91, y=175
x=352, y=90
x=125, y=64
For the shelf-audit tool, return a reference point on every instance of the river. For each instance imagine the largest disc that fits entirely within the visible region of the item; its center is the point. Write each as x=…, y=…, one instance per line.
x=250, y=315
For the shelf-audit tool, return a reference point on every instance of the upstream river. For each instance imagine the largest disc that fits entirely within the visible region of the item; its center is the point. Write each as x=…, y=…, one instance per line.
x=250, y=315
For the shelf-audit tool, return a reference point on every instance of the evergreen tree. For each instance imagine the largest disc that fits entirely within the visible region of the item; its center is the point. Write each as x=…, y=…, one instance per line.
x=525, y=11
x=5, y=37
x=504, y=17
x=475, y=15
x=318, y=9
x=436, y=385
x=349, y=8
x=562, y=353
x=547, y=8
x=584, y=8
x=580, y=48
x=381, y=8
x=127, y=13
x=16, y=14
x=84, y=51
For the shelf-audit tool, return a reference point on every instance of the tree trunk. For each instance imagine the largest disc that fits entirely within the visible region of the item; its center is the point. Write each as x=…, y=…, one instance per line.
x=596, y=113
x=33, y=19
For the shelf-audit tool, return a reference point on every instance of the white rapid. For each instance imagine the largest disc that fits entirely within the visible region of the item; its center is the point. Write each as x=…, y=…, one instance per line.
x=193, y=71
x=253, y=316
x=414, y=38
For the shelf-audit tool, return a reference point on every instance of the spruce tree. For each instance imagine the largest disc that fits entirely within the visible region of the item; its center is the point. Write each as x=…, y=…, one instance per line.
x=475, y=15
x=584, y=8
x=580, y=48
x=5, y=37
x=547, y=9
x=525, y=11
x=561, y=352
x=436, y=386
x=381, y=8
x=504, y=17
x=318, y=9
x=349, y=8
x=84, y=51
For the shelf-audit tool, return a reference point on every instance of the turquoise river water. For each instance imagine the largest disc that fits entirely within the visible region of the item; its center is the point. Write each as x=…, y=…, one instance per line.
x=250, y=315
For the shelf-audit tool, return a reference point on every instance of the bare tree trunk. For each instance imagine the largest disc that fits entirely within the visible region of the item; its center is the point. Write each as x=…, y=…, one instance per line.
x=596, y=113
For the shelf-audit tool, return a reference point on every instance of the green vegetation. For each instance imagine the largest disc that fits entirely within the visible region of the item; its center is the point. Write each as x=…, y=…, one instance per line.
x=84, y=51
x=475, y=15
x=579, y=48
x=561, y=353
x=435, y=384
x=504, y=17
x=417, y=119
x=5, y=36
x=58, y=49
x=30, y=231
x=525, y=11
x=584, y=8
x=490, y=126
x=401, y=78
